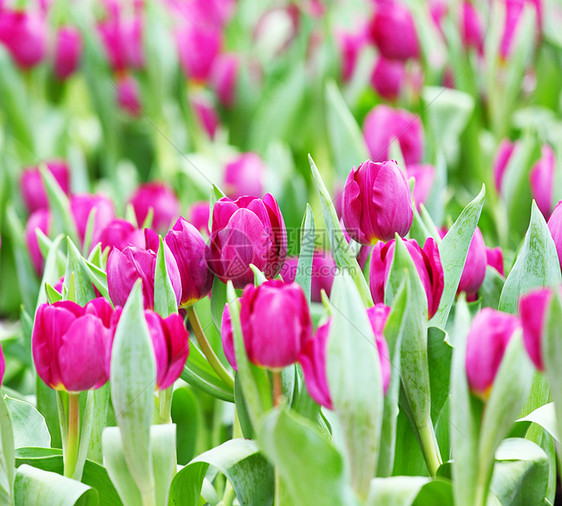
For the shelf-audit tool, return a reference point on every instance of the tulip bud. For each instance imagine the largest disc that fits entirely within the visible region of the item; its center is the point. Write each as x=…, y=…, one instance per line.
x=244, y=176
x=494, y=258
x=71, y=344
x=376, y=202
x=68, y=51
x=163, y=201
x=471, y=27
x=128, y=95
x=501, y=160
x=424, y=176
x=125, y=267
x=513, y=13
x=350, y=45
x=40, y=219
x=33, y=190
x=246, y=231
x=223, y=78
x=383, y=124
x=487, y=341
x=206, y=114
x=389, y=20
x=23, y=34
x=119, y=234
x=474, y=270
x=428, y=265
x=532, y=311
x=275, y=324
x=388, y=78
x=83, y=205
x=555, y=227
x=170, y=340
x=542, y=180
x=199, y=214
x=188, y=248
x=198, y=47
x=313, y=356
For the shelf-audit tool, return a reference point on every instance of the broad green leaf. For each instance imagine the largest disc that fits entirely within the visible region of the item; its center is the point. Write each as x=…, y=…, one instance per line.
x=133, y=376
x=346, y=140
x=545, y=416
x=440, y=353
x=520, y=473
x=395, y=491
x=35, y=487
x=6, y=455
x=53, y=271
x=187, y=415
x=240, y=461
x=536, y=264
x=83, y=290
x=100, y=409
x=307, y=482
x=218, y=300
x=163, y=444
x=340, y=248
x=165, y=302
x=29, y=425
x=304, y=266
x=98, y=277
x=355, y=380
x=491, y=289
x=453, y=250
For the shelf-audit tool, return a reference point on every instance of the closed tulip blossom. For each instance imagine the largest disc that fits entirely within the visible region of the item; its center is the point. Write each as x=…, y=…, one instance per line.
x=501, y=160
x=471, y=27
x=487, y=340
x=388, y=78
x=224, y=75
x=350, y=46
x=39, y=220
x=121, y=233
x=313, y=356
x=161, y=199
x=513, y=17
x=275, y=322
x=128, y=95
x=206, y=114
x=555, y=228
x=71, y=344
x=244, y=176
x=383, y=124
x=532, y=311
x=246, y=231
x=132, y=263
x=83, y=205
x=474, y=270
x=68, y=51
x=376, y=202
x=24, y=36
x=199, y=214
x=494, y=258
x=390, y=19
x=198, y=47
x=542, y=180
x=188, y=249
x=170, y=341
x=32, y=188
x=428, y=265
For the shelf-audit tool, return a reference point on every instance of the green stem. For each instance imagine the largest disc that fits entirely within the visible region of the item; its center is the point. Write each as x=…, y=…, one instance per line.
x=165, y=405
x=430, y=448
x=277, y=388
x=73, y=435
x=210, y=355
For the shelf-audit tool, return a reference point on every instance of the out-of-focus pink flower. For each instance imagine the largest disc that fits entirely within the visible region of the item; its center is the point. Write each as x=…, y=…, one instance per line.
x=350, y=45
x=33, y=190
x=68, y=51
x=198, y=47
x=542, y=180
x=82, y=205
x=206, y=114
x=494, y=258
x=532, y=310
x=128, y=95
x=424, y=176
x=40, y=219
x=501, y=160
x=199, y=214
x=24, y=35
x=244, y=176
x=555, y=227
x=383, y=124
x=474, y=270
x=161, y=199
x=276, y=29
x=223, y=78
x=388, y=78
x=471, y=27
x=119, y=234
x=513, y=14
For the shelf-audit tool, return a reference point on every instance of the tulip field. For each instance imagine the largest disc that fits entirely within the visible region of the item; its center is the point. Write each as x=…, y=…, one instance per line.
x=280, y=252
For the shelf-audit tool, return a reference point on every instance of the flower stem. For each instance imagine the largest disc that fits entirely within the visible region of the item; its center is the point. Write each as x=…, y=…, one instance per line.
x=73, y=435
x=165, y=405
x=210, y=355
x=277, y=388
x=430, y=448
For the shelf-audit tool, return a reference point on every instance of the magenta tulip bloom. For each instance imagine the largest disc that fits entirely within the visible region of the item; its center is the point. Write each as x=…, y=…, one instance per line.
x=471, y=27
x=487, y=341
x=224, y=75
x=198, y=47
x=474, y=270
x=542, y=180
x=206, y=113
x=188, y=248
x=119, y=234
x=501, y=160
x=275, y=324
x=246, y=231
x=389, y=20
x=33, y=190
x=40, y=219
x=161, y=199
x=72, y=344
x=68, y=51
x=350, y=45
x=383, y=124
x=388, y=78
x=376, y=202
x=170, y=340
x=424, y=176
x=494, y=258
x=128, y=95
x=244, y=176
x=24, y=35
x=513, y=15
x=555, y=227
x=532, y=311
x=199, y=214
x=428, y=265
x=83, y=205
x=313, y=356
x=125, y=267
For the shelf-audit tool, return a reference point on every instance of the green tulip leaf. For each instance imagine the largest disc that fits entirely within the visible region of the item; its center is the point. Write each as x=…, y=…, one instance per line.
x=218, y=300
x=6, y=454
x=304, y=266
x=75, y=269
x=187, y=415
x=54, y=270
x=409, y=491
x=165, y=302
x=29, y=425
x=545, y=416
